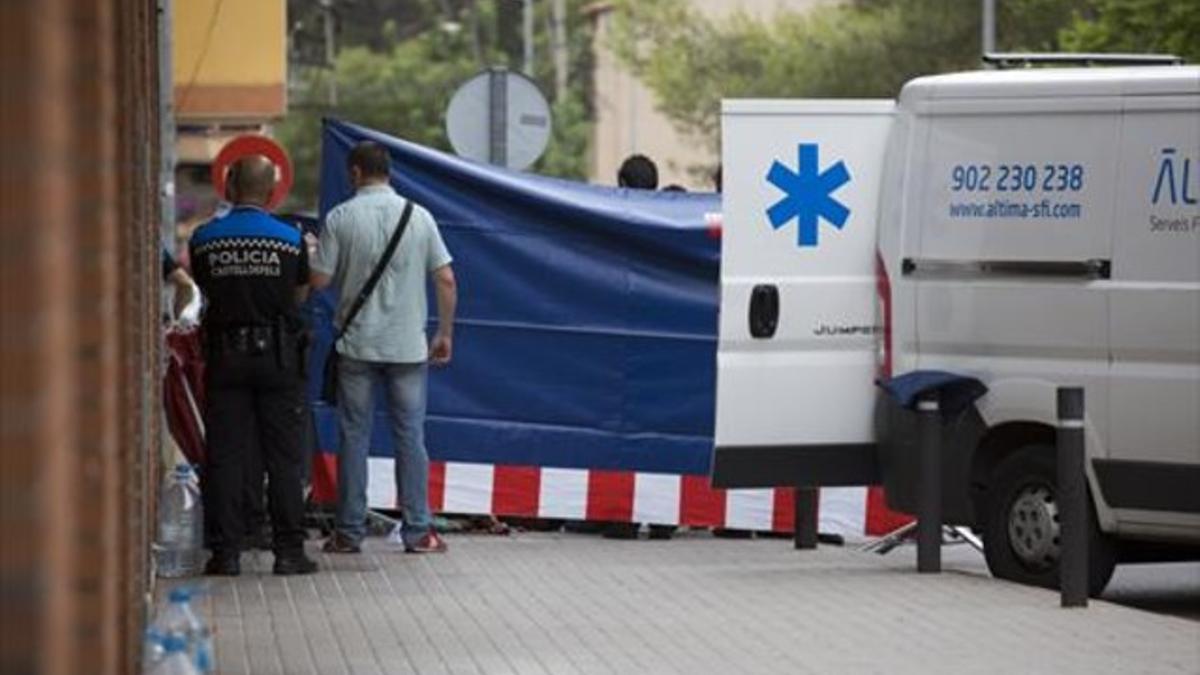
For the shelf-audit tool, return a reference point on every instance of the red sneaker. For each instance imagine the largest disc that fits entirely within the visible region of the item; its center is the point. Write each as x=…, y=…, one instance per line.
x=430, y=543
x=340, y=544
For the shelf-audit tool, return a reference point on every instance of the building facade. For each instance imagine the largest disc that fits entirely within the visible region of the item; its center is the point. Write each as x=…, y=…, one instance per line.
x=627, y=116
x=229, y=74
x=79, y=322
x=229, y=67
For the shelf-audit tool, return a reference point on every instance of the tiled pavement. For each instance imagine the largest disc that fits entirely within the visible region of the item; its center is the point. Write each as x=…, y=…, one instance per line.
x=559, y=603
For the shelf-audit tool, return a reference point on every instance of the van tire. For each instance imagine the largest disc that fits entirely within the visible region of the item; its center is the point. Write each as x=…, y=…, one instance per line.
x=1020, y=499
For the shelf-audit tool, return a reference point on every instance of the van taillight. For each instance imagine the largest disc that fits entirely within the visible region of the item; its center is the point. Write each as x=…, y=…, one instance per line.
x=883, y=339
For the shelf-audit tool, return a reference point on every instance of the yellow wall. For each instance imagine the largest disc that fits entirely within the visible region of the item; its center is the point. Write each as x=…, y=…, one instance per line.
x=230, y=58
x=627, y=117
x=248, y=43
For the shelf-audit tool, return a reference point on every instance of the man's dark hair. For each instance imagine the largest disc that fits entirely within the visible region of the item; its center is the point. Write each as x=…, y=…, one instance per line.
x=370, y=158
x=639, y=172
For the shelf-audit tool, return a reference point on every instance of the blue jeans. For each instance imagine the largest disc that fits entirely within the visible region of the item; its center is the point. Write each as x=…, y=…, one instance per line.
x=404, y=387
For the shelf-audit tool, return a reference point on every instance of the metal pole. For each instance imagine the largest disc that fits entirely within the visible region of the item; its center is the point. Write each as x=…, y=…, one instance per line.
x=166, y=123
x=476, y=40
x=806, y=518
x=929, y=497
x=1072, y=498
x=559, y=13
x=153, y=461
x=498, y=116
x=528, y=37
x=633, y=114
x=330, y=50
x=988, y=38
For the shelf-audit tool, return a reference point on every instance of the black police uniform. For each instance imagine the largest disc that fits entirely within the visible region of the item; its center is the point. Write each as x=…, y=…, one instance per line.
x=249, y=264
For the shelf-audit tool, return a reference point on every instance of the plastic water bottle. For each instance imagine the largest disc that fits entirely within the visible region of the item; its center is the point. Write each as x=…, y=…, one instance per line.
x=175, y=660
x=179, y=620
x=180, y=525
x=153, y=651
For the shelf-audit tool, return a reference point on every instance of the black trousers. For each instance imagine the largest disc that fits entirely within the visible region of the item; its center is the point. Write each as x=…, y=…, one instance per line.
x=254, y=507
x=255, y=405
x=254, y=504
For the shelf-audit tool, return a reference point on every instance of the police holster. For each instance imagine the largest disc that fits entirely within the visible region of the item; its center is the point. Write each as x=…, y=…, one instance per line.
x=242, y=340
x=281, y=342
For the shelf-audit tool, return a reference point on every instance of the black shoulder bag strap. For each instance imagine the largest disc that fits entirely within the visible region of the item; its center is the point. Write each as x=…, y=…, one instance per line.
x=330, y=375
x=377, y=273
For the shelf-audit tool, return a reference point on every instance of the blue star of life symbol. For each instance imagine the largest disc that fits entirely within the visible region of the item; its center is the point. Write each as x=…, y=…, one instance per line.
x=808, y=193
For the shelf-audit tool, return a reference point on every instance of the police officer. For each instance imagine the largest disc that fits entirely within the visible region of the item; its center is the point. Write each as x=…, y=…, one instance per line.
x=254, y=271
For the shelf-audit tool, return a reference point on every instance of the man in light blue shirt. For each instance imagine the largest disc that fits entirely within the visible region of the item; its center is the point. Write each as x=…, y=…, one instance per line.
x=385, y=342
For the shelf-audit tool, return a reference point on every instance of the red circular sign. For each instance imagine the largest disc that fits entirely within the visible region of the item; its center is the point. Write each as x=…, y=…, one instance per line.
x=254, y=145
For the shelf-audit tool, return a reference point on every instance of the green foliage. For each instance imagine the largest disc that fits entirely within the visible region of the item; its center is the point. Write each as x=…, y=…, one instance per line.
x=567, y=153
x=864, y=48
x=1166, y=26
x=404, y=90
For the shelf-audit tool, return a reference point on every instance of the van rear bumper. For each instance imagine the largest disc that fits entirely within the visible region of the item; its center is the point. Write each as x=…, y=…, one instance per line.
x=896, y=429
x=838, y=464
x=892, y=462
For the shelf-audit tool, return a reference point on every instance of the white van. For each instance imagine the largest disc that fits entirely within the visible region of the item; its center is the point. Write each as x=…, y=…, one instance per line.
x=1031, y=229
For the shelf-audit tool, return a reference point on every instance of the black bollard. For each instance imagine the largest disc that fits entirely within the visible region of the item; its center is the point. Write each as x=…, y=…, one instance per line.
x=1072, y=499
x=929, y=496
x=806, y=518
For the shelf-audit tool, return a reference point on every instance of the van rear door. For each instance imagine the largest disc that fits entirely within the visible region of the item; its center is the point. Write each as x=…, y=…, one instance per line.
x=796, y=358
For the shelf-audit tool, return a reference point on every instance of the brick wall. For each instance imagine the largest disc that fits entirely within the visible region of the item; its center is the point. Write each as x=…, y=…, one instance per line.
x=79, y=346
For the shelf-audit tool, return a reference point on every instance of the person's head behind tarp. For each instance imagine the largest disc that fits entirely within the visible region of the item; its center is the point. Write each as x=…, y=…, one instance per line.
x=638, y=172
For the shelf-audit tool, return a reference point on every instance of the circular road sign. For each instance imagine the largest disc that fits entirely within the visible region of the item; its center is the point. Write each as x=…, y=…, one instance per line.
x=254, y=145
x=500, y=117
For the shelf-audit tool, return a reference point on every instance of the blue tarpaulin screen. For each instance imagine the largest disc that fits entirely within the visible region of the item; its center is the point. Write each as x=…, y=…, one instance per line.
x=587, y=316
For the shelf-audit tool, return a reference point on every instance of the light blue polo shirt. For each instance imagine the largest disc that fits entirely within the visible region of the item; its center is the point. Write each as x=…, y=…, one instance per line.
x=390, y=327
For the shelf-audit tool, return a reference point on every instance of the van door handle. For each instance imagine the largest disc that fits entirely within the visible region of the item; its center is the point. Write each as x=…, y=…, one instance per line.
x=764, y=311
x=1094, y=268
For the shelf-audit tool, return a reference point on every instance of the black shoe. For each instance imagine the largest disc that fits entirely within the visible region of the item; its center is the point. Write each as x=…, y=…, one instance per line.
x=221, y=565
x=296, y=563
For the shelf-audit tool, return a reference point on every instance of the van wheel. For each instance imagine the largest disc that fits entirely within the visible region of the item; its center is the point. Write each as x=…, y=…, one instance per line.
x=1021, y=532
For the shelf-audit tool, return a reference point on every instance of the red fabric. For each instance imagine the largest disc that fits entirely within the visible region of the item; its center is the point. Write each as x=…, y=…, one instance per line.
x=700, y=504
x=437, y=486
x=610, y=495
x=783, y=515
x=183, y=392
x=880, y=519
x=324, y=478
x=515, y=490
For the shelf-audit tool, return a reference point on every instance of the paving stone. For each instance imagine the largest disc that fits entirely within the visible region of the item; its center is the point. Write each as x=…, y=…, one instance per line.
x=556, y=603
